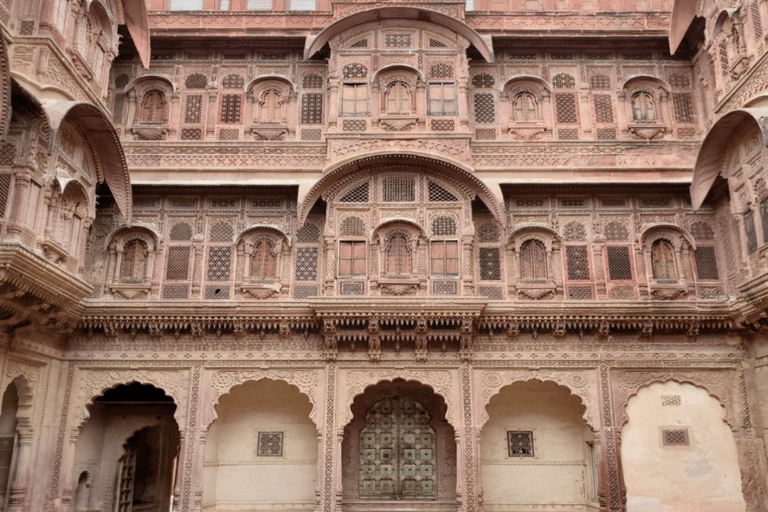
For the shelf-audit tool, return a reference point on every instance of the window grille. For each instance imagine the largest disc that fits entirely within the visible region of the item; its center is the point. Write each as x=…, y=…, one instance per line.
x=683, y=105
x=749, y=227
x=219, y=262
x=352, y=226
x=600, y=82
x=306, y=263
x=441, y=71
x=675, y=437
x=308, y=233
x=568, y=134
x=27, y=28
x=525, y=107
x=196, y=81
x=259, y=5
x=563, y=81
x=134, y=263
x=575, y=231
x=444, y=226
x=351, y=258
x=572, y=202
x=442, y=125
x=656, y=202
x=434, y=43
x=7, y=153
x=577, y=262
x=5, y=185
x=399, y=261
x=191, y=134
x=176, y=291
x=686, y=133
x=485, y=134
x=619, y=266
x=757, y=26
x=354, y=70
x=483, y=81
x=491, y=292
x=230, y=108
x=580, y=292
x=216, y=292
x=565, y=104
x=442, y=99
x=679, y=81
x=490, y=264
x=445, y=288
x=121, y=81
x=312, y=108
x=643, y=107
x=529, y=203
x=229, y=134
x=438, y=194
x=181, y=231
x=533, y=260
x=304, y=292
x=670, y=400
x=663, y=260
x=352, y=288
x=616, y=231
x=613, y=202
x=606, y=134
x=399, y=189
x=221, y=232
x=702, y=231
x=488, y=232
x=603, y=108
x=232, y=82
x=706, y=263
x=623, y=292
x=193, y=109
x=177, y=266
x=359, y=194
x=312, y=82
x=444, y=258
x=520, y=443
x=485, y=108
x=117, y=109
x=397, y=41
x=264, y=260
x=723, y=52
x=353, y=125
x=311, y=134
x=363, y=43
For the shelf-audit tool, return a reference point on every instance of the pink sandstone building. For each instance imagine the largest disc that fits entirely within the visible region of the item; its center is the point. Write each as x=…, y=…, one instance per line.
x=366, y=256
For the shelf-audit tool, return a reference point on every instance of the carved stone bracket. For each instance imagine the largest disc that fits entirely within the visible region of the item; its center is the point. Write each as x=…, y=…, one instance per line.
x=580, y=383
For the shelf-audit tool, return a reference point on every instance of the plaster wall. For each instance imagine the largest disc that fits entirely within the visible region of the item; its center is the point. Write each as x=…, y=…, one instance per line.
x=560, y=439
x=235, y=476
x=701, y=477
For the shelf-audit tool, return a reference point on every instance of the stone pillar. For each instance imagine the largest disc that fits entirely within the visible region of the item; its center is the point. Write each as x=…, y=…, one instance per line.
x=463, y=101
x=641, y=273
x=333, y=105
x=611, y=494
x=197, y=271
x=17, y=495
x=329, y=464
x=599, y=269
x=585, y=115
x=375, y=105
x=189, y=497
x=330, y=266
x=467, y=490
x=21, y=184
x=421, y=106
x=468, y=266
x=513, y=271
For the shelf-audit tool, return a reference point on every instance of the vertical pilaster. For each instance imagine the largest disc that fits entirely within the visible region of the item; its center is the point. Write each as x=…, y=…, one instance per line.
x=467, y=449
x=612, y=494
x=331, y=456
x=190, y=468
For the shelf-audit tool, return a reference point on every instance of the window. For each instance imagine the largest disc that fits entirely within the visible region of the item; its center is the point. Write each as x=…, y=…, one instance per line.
x=186, y=5
x=490, y=264
x=398, y=98
x=577, y=262
x=399, y=189
x=706, y=263
x=520, y=443
x=230, y=108
x=351, y=258
x=271, y=107
x=485, y=108
x=442, y=99
x=153, y=107
x=312, y=108
x=565, y=106
x=264, y=260
x=603, y=108
x=354, y=100
x=193, y=109
x=525, y=107
x=643, y=107
x=663, y=260
x=399, y=262
x=619, y=263
x=134, y=264
x=444, y=257
x=533, y=260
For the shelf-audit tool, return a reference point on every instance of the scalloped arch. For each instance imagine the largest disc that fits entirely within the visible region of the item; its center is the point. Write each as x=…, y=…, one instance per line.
x=523, y=78
x=629, y=82
x=123, y=229
x=533, y=227
x=265, y=78
x=350, y=416
x=657, y=227
x=390, y=67
x=680, y=380
x=396, y=220
x=268, y=227
x=153, y=76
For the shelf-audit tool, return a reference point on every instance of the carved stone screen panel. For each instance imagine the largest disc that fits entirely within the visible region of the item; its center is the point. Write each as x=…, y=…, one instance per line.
x=398, y=458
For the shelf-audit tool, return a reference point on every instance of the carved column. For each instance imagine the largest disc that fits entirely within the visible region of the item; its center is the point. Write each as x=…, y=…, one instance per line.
x=191, y=447
x=292, y=114
x=375, y=105
x=21, y=182
x=333, y=104
x=612, y=494
x=330, y=266
x=621, y=113
x=17, y=496
x=546, y=111
x=597, y=262
x=513, y=271
x=686, y=269
x=329, y=465
x=585, y=113
x=173, y=116
x=421, y=106
x=463, y=106
x=468, y=267
x=467, y=490
x=210, y=121
x=197, y=271
x=641, y=273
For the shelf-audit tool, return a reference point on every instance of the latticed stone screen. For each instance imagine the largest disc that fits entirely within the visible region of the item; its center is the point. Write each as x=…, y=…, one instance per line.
x=679, y=81
x=439, y=194
x=312, y=108
x=613, y=202
x=181, y=232
x=520, y=443
x=441, y=71
x=311, y=134
x=749, y=228
x=219, y=263
x=193, y=108
x=485, y=108
x=483, y=81
x=177, y=266
x=489, y=232
x=619, y=266
x=303, y=292
x=354, y=70
x=565, y=104
x=702, y=231
x=5, y=183
x=675, y=437
x=670, y=400
x=398, y=41
x=491, y=292
x=216, y=292
x=359, y=194
x=229, y=134
x=176, y=291
x=485, y=134
x=606, y=134
x=490, y=264
x=442, y=125
x=568, y=134
x=312, y=82
x=353, y=125
x=577, y=262
x=563, y=81
x=196, y=81
x=352, y=288
x=230, y=108
x=308, y=233
x=706, y=263
x=352, y=226
x=306, y=263
x=270, y=444
x=575, y=231
x=232, y=82
x=683, y=105
x=600, y=82
x=117, y=109
x=616, y=231
x=221, y=232
x=444, y=226
x=191, y=134
x=434, y=43
x=363, y=43
x=579, y=292
x=603, y=108
x=399, y=189
x=445, y=288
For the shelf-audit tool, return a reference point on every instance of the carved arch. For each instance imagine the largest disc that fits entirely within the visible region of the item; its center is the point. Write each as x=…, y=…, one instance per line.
x=397, y=220
x=123, y=234
x=73, y=186
x=533, y=228
x=637, y=82
x=649, y=231
x=521, y=79
x=268, y=227
x=24, y=376
x=166, y=79
x=265, y=78
x=393, y=67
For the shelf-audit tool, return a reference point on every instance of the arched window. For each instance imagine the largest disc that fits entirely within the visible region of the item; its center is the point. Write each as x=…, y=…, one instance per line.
x=663, y=260
x=264, y=260
x=153, y=107
x=134, y=264
x=525, y=107
x=643, y=107
x=271, y=107
x=398, y=98
x=398, y=261
x=533, y=260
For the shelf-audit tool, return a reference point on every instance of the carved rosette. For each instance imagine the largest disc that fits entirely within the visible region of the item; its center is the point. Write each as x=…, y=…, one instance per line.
x=580, y=383
x=92, y=383
x=308, y=382
x=355, y=382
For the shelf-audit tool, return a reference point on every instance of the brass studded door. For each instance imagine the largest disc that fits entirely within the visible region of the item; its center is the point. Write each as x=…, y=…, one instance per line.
x=398, y=459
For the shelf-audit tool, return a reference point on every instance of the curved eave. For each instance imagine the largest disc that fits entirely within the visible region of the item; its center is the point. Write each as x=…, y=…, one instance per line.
x=682, y=16
x=452, y=168
x=710, y=161
x=137, y=22
x=399, y=13
x=111, y=164
x=5, y=89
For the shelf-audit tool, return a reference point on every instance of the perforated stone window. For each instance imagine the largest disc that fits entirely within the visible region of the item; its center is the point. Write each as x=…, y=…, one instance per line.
x=441, y=71
x=565, y=104
x=398, y=41
x=577, y=262
x=232, y=82
x=221, y=232
x=575, y=231
x=399, y=189
x=442, y=125
x=600, y=82
x=675, y=437
x=176, y=291
x=613, y=202
x=749, y=228
x=619, y=266
x=568, y=134
x=706, y=263
x=520, y=443
x=438, y=194
x=270, y=444
x=312, y=81
x=483, y=81
x=352, y=288
x=304, y=292
x=181, y=232
x=683, y=105
x=216, y=292
x=434, y=43
x=306, y=263
x=616, y=231
x=702, y=230
x=723, y=53
x=117, y=108
x=670, y=400
x=196, y=81
x=193, y=107
x=485, y=134
x=444, y=226
x=603, y=108
x=7, y=153
x=353, y=125
x=229, y=134
x=563, y=81
x=308, y=233
x=606, y=134
x=230, y=108
x=679, y=81
x=219, y=263
x=359, y=194
x=485, y=108
x=177, y=266
x=354, y=70
x=191, y=134
x=445, y=288
x=757, y=26
x=312, y=108
x=529, y=203
x=488, y=232
x=311, y=134
x=5, y=183
x=363, y=43
x=490, y=264
x=352, y=226
x=491, y=292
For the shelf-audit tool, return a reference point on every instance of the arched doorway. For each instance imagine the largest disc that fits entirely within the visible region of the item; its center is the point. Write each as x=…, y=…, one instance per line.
x=261, y=452
x=678, y=454
x=127, y=452
x=537, y=451
x=399, y=450
x=8, y=425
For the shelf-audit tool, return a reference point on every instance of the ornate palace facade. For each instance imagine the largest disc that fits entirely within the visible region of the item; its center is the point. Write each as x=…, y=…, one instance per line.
x=356, y=256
